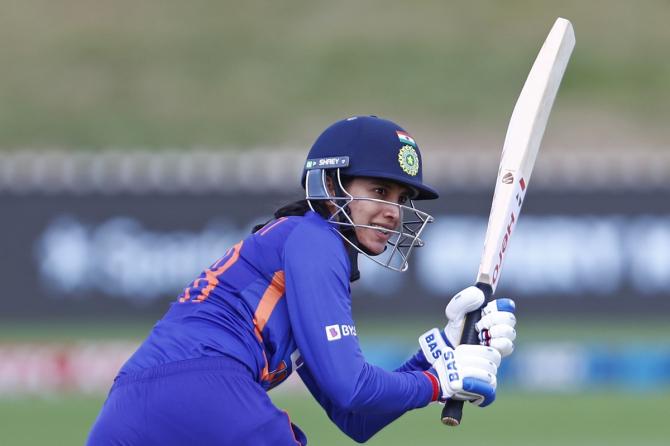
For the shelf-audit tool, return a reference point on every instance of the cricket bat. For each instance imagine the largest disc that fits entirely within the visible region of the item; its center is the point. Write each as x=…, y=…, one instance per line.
x=522, y=142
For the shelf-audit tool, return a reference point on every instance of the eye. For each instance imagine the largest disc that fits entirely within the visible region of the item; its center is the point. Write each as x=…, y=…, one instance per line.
x=380, y=191
x=403, y=199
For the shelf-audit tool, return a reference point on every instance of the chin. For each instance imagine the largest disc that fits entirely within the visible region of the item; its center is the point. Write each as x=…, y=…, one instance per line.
x=374, y=250
x=370, y=244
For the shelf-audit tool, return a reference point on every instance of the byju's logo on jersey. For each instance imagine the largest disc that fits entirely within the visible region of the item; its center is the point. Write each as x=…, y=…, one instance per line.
x=335, y=332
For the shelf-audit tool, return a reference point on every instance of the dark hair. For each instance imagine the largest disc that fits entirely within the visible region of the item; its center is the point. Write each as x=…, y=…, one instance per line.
x=297, y=208
x=301, y=207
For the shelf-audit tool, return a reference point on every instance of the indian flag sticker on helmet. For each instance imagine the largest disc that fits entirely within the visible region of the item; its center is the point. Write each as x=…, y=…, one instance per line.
x=405, y=138
x=409, y=160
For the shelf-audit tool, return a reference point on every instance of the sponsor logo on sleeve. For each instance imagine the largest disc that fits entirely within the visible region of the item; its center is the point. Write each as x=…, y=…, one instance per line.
x=337, y=331
x=333, y=332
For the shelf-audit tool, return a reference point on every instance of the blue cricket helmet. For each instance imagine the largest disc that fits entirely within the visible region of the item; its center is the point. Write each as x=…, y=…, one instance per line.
x=369, y=146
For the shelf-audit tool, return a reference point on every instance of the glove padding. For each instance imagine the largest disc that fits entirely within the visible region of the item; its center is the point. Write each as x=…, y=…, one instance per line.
x=496, y=328
x=467, y=373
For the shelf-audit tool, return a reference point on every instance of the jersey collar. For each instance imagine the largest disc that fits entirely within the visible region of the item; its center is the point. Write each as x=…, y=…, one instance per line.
x=352, y=253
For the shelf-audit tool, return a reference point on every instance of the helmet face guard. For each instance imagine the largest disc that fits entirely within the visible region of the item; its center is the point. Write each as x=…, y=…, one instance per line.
x=403, y=239
x=369, y=147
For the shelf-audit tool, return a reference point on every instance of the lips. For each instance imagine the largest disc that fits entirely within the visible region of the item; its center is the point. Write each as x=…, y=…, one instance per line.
x=382, y=228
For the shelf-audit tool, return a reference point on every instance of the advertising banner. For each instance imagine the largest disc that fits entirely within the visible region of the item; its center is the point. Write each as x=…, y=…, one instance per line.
x=69, y=254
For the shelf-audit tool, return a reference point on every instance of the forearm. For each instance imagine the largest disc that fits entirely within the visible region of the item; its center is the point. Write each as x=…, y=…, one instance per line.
x=358, y=426
x=374, y=390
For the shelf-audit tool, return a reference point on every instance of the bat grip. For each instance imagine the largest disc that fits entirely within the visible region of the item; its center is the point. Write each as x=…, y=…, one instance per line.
x=452, y=412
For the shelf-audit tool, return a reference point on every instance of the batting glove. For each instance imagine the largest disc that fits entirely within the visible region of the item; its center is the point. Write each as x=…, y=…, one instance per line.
x=467, y=373
x=496, y=328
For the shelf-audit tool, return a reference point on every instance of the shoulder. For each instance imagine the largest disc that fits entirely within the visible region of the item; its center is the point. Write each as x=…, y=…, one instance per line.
x=314, y=249
x=305, y=245
x=302, y=232
x=316, y=242
x=313, y=231
x=311, y=223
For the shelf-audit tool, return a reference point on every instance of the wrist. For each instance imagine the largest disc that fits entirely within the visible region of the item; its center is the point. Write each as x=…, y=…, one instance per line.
x=435, y=384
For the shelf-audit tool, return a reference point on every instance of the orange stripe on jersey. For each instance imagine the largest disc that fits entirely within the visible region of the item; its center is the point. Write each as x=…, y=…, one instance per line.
x=267, y=304
x=266, y=370
x=212, y=277
x=272, y=226
x=278, y=375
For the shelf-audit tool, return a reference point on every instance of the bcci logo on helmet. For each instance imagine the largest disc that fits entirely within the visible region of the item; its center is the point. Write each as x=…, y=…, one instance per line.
x=409, y=160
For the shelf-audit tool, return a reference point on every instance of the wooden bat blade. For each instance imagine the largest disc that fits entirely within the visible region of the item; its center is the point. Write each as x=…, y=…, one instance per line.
x=522, y=142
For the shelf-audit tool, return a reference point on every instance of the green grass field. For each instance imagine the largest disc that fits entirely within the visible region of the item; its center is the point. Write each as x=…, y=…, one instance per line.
x=605, y=417
x=516, y=419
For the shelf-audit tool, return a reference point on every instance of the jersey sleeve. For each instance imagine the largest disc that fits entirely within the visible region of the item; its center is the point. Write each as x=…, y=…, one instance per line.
x=417, y=362
x=359, y=426
x=319, y=306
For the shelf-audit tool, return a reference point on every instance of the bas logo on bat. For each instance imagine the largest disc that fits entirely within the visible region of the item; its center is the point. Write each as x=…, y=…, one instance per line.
x=337, y=331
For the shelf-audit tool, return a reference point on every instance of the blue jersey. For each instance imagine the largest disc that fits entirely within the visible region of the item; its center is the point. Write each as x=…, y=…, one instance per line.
x=280, y=300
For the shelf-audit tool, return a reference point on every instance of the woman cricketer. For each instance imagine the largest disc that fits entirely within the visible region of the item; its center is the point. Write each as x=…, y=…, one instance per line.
x=279, y=301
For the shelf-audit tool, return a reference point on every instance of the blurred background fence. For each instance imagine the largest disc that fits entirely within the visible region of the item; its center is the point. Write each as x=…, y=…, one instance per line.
x=104, y=241
x=122, y=233
x=138, y=140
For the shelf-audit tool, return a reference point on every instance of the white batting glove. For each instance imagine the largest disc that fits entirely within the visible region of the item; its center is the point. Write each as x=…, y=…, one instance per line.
x=496, y=328
x=467, y=373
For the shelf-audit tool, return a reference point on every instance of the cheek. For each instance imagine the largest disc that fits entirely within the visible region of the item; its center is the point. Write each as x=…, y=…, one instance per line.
x=361, y=212
x=355, y=212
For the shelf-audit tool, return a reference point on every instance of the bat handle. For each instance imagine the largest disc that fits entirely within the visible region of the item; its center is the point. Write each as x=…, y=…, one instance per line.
x=452, y=412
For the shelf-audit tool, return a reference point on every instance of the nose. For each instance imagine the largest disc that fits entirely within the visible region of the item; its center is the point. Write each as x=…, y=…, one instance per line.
x=392, y=213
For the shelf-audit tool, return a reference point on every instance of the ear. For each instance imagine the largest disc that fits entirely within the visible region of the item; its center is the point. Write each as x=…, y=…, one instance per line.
x=330, y=186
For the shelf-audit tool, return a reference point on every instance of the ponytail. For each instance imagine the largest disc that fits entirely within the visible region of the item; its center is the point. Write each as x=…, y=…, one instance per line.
x=297, y=208
x=301, y=207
